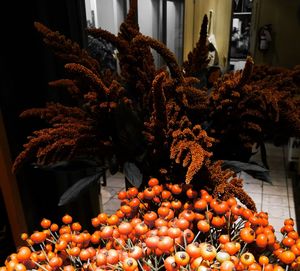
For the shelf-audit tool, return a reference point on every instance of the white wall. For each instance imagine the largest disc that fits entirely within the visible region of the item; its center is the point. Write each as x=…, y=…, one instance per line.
x=149, y=18
x=174, y=28
x=171, y=25
x=109, y=14
x=146, y=17
x=119, y=7
x=91, y=6
x=88, y=10
x=106, y=15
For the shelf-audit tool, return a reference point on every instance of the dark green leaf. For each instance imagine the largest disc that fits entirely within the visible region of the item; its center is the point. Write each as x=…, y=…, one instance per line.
x=264, y=155
x=79, y=187
x=113, y=165
x=128, y=136
x=256, y=171
x=133, y=174
x=69, y=165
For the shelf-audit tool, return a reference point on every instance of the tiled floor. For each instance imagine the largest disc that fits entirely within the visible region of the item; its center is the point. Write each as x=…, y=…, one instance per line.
x=109, y=193
x=276, y=198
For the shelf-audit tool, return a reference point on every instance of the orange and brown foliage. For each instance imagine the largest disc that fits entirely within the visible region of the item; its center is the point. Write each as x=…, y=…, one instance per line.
x=156, y=117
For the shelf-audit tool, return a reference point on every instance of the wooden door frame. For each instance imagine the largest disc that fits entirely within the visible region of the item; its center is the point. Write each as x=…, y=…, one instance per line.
x=10, y=190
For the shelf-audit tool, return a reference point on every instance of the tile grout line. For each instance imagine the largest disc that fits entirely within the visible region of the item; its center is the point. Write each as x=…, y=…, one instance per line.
x=115, y=191
x=286, y=183
x=262, y=196
x=106, y=201
x=286, y=179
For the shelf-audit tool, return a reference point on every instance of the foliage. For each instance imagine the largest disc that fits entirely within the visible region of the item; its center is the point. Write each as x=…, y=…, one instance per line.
x=158, y=122
x=198, y=58
x=248, y=108
x=158, y=119
x=284, y=86
x=112, y=119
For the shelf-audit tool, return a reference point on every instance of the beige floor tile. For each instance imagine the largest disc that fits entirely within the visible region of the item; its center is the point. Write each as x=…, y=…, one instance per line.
x=290, y=192
x=109, y=192
x=293, y=213
x=111, y=206
x=248, y=179
x=115, y=196
x=278, y=235
x=277, y=223
x=291, y=202
x=290, y=187
x=277, y=198
x=116, y=175
x=105, y=200
x=252, y=187
x=256, y=196
x=274, y=190
x=109, y=212
x=279, y=181
x=269, y=200
x=278, y=212
x=257, y=199
x=117, y=180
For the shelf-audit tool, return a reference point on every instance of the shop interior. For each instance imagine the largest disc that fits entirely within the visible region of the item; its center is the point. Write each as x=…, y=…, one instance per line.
x=266, y=30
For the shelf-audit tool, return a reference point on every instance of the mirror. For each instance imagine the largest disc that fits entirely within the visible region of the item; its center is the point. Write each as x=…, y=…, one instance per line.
x=240, y=33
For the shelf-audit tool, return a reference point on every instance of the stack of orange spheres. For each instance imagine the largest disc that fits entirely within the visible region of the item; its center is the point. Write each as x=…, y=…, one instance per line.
x=164, y=227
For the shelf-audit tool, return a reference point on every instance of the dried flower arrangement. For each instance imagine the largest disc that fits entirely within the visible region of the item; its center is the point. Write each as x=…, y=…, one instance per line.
x=285, y=87
x=250, y=107
x=198, y=58
x=151, y=118
x=112, y=121
x=244, y=108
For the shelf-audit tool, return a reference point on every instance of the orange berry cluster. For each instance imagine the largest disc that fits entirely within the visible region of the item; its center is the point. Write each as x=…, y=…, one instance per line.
x=169, y=227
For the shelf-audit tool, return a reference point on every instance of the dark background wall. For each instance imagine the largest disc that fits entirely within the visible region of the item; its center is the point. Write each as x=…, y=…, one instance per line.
x=26, y=64
x=26, y=67
x=284, y=16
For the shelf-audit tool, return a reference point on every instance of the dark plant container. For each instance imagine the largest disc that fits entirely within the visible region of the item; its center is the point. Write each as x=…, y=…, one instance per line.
x=41, y=191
